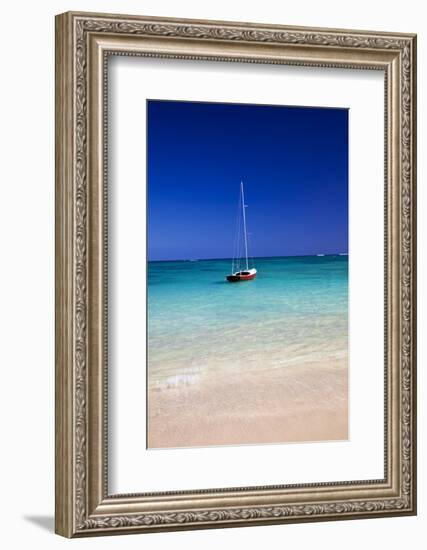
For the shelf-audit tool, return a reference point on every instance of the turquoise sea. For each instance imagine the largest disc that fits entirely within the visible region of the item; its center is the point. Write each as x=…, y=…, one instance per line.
x=294, y=312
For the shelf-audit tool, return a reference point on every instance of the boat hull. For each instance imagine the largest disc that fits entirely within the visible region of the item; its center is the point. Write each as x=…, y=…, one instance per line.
x=237, y=277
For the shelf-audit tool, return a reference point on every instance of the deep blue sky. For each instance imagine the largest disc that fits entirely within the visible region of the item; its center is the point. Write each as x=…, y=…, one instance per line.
x=293, y=162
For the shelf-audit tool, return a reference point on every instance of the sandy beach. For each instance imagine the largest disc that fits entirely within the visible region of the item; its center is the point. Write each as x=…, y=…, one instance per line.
x=302, y=402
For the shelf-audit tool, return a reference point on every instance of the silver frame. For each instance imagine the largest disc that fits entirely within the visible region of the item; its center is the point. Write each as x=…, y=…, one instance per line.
x=83, y=43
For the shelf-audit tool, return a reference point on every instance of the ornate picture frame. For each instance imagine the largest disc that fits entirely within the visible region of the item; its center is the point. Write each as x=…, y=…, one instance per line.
x=84, y=42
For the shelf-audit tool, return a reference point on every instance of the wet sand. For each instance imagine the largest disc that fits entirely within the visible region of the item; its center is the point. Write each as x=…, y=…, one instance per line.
x=294, y=403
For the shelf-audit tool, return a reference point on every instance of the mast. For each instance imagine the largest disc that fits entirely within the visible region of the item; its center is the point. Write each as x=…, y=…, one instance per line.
x=244, y=224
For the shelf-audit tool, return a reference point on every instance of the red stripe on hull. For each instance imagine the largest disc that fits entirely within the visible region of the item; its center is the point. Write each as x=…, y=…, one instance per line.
x=247, y=277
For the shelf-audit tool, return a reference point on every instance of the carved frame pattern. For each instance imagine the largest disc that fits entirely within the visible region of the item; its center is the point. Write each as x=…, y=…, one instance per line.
x=82, y=510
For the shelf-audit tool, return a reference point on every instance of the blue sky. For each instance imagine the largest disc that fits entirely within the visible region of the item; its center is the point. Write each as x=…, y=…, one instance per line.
x=293, y=162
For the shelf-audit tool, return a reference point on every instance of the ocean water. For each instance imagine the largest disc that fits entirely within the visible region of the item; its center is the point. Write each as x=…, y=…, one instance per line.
x=199, y=325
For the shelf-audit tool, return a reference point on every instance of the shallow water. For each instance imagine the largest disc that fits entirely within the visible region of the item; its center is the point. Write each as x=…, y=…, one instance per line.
x=294, y=312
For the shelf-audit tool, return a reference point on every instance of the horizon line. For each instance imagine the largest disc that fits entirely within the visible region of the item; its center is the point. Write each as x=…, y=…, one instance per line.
x=252, y=257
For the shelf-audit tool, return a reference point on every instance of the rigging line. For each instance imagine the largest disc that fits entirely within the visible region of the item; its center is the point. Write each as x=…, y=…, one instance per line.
x=239, y=235
x=240, y=251
x=234, y=245
x=250, y=249
x=236, y=238
x=244, y=223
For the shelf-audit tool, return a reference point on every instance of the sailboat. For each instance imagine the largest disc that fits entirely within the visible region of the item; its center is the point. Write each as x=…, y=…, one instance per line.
x=238, y=274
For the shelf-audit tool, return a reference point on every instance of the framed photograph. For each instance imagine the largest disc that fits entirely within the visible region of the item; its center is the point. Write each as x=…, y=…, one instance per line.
x=235, y=274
